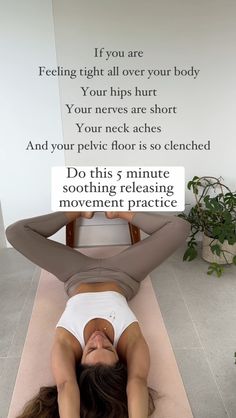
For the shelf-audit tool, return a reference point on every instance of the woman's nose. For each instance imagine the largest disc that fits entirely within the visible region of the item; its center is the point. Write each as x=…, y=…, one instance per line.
x=98, y=341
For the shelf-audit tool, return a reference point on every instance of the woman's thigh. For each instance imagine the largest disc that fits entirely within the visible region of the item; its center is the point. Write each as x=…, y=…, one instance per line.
x=167, y=233
x=57, y=258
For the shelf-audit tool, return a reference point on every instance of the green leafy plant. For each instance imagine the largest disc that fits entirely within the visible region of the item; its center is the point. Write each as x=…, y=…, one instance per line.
x=214, y=214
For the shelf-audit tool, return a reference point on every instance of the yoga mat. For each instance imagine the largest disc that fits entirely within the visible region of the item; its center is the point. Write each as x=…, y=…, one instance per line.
x=34, y=370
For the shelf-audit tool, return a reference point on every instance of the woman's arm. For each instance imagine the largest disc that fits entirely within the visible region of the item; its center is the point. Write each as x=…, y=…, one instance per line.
x=137, y=393
x=65, y=354
x=138, y=364
x=69, y=400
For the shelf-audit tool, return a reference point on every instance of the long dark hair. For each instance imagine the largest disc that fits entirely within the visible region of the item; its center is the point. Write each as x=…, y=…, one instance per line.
x=102, y=394
x=103, y=391
x=43, y=405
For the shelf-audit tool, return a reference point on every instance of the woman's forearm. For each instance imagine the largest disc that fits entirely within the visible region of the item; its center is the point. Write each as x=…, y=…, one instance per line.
x=69, y=400
x=137, y=394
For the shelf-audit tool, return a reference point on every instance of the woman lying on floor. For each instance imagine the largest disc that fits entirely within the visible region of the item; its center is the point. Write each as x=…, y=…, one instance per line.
x=100, y=359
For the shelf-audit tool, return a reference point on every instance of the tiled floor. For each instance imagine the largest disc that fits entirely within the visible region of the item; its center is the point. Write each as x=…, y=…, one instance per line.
x=199, y=312
x=200, y=316
x=18, y=284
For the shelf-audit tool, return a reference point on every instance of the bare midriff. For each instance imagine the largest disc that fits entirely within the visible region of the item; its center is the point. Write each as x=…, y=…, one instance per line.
x=97, y=287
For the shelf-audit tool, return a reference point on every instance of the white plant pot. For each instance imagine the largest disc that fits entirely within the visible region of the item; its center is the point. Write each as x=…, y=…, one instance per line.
x=207, y=255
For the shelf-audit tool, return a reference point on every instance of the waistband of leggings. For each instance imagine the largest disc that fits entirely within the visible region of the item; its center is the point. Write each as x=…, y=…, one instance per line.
x=128, y=285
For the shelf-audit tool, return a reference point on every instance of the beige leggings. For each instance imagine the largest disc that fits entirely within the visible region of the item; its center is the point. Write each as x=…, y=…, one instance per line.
x=128, y=268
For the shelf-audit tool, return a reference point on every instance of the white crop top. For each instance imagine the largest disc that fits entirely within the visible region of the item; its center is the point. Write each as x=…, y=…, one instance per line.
x=83, y=307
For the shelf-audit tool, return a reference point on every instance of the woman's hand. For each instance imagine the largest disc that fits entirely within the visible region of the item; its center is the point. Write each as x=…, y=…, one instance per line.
x=74, y=215
x=128, y=216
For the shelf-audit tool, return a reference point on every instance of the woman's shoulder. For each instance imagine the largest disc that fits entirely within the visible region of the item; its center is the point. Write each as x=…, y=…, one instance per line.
x=130, y=336
x=65, y=337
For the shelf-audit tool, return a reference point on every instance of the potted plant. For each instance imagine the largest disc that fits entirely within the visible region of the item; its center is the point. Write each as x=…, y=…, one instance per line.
x=214, y=214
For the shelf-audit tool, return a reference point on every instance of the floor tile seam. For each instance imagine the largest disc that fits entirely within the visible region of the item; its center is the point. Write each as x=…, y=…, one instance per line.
x=3, y=368
x=188, y=348
x=15, y=358
x=20, y=316
x=202, y=348
x=12, y=366
x=202, y=345
x=11, y=357
x=217, y=385
x=187, y=308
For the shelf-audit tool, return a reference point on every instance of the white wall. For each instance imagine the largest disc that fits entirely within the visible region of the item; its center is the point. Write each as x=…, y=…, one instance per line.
x=181, y=33
x=29, y=108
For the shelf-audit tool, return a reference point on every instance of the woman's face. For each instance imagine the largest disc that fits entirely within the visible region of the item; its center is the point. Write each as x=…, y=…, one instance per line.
x=99, y=349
